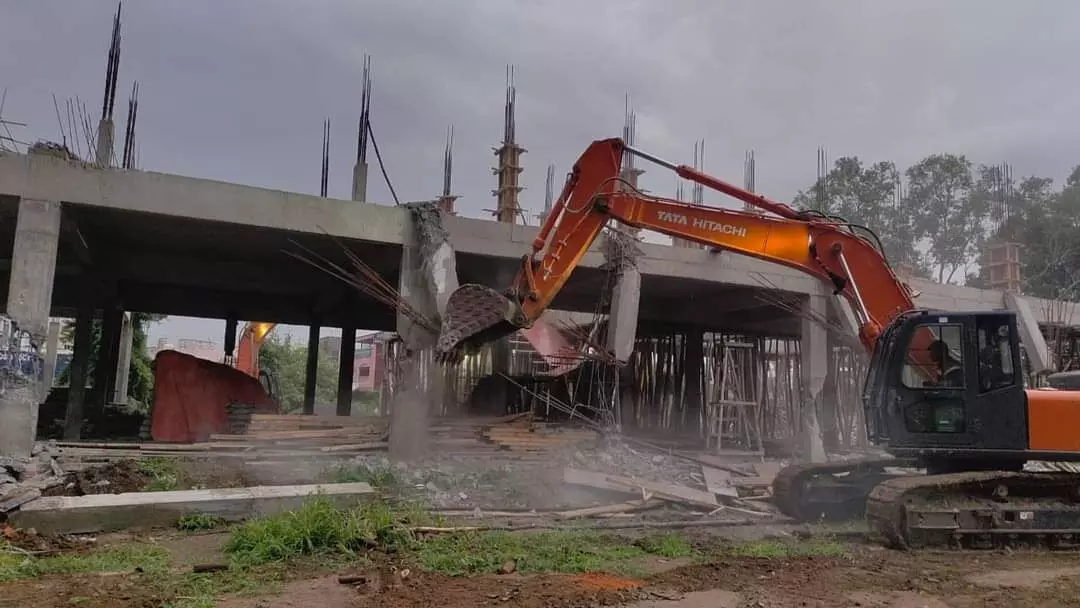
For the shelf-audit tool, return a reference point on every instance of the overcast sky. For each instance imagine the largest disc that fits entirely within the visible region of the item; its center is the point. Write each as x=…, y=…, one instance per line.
x=237, y=90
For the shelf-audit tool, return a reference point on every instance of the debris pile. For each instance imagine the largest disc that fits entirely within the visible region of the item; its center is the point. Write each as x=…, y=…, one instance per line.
x=24, y=479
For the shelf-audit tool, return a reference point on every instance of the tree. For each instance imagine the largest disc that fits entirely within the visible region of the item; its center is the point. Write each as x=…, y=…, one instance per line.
x=140, y=374
x=1051, y=235
x=867, y=196
x=287, y=363
x=952, y=220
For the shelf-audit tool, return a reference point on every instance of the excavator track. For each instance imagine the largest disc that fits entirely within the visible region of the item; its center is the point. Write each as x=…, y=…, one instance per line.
x=833, y=491
x=977, y=510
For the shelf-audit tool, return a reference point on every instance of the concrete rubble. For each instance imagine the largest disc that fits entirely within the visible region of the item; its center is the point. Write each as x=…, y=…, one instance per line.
x=24, y=479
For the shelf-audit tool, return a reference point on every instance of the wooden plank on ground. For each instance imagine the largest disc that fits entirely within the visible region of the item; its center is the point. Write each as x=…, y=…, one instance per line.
x=270, y=435
x=342, y=421
x=114, y=512
x=622, y=507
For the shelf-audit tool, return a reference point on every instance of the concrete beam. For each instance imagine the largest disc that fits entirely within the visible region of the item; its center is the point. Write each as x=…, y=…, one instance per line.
x=49, y=178
x=212, y=273
x=495, y=239
x=221, y=303
x=954, y=297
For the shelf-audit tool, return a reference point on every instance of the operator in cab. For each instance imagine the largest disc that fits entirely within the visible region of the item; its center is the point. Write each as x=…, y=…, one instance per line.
x=952, y=374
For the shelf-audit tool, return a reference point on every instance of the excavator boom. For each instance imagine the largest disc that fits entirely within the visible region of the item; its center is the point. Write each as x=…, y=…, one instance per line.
x=594, y=195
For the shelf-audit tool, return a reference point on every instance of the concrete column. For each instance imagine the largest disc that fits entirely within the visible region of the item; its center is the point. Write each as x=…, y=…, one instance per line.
x=52, y=344
x=230, y=340
x=108, y=355
x=814, y=352
x=80, y=356
x=346, y=365
x=621, y=334
x=103, y=154
x=830, y=425
x=311, y=369
x=359, y=182
x=123, y=358
x=695, y=355
x=33, y=268
x=412, y=399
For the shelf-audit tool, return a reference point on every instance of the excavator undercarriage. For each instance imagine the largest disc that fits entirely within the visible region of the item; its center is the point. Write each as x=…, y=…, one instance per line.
x=912, y=510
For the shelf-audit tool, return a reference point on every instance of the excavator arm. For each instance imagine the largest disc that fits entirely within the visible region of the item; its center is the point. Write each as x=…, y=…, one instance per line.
x=846, y=256
x=251, y=340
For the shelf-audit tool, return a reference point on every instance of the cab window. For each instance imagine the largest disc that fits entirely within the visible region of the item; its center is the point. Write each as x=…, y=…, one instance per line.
x=997, y=370
x=935, y=358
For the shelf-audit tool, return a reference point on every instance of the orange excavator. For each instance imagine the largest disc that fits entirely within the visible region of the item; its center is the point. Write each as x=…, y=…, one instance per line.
x=247, y=354
x=944, y=393
x=247, y=349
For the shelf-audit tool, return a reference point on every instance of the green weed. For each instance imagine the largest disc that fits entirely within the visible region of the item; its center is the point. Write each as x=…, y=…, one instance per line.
x=670, y=546
x=14, y=566
x=163, y=473
x=378, y=477
x=783, y=548
x=196, y=522
x=557, y=551
x=319, y=526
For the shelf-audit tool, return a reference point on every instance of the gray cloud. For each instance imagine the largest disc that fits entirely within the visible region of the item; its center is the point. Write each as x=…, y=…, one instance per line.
x=237, y=90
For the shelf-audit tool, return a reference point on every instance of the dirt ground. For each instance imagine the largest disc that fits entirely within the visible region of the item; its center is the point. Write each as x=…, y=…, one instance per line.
x=868, y=577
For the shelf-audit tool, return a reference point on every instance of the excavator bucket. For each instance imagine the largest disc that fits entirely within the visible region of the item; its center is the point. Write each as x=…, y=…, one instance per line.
x=474, y=315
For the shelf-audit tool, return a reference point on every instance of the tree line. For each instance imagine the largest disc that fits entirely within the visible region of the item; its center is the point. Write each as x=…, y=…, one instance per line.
x=938, y=217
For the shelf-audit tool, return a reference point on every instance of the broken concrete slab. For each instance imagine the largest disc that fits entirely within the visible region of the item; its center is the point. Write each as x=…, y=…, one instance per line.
x=18, y=498
x=617, y=483
x=719, y=482
x=114, y=512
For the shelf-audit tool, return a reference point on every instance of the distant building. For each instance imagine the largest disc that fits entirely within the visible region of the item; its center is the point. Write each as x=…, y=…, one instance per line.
x=203, y=349
x=369, y=363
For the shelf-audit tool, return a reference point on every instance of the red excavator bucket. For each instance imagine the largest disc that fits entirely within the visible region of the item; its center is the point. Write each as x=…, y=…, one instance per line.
x=474, y=315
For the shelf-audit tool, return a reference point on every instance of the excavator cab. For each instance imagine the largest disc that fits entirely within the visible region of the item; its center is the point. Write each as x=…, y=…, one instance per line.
x=947, y=387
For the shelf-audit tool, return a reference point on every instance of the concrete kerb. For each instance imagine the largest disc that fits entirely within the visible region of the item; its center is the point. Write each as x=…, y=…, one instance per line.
x=97, y=513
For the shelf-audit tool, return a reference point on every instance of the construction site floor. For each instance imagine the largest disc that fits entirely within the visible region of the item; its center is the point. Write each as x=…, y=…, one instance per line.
x=861, y=575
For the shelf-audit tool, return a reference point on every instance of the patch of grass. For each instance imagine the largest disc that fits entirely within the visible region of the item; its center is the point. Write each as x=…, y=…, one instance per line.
x=378, y=477
x=202, y=590
x=556, y=551
x=164, y=474
x=813, y=547
x=14, y=566
x=319, y=527
x=670, y=546
x=197, y=522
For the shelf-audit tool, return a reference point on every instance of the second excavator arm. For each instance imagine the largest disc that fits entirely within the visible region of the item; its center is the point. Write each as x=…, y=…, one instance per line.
x=846, y=256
